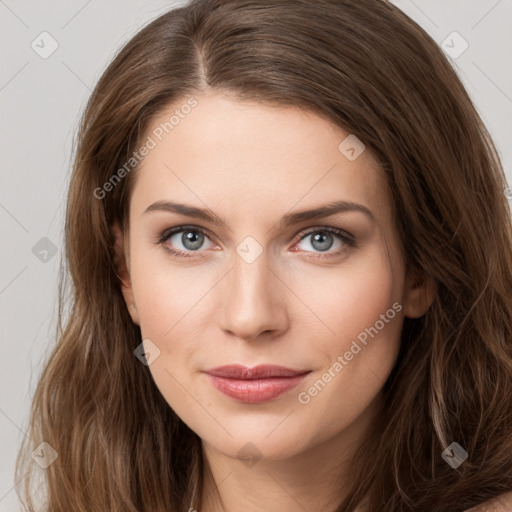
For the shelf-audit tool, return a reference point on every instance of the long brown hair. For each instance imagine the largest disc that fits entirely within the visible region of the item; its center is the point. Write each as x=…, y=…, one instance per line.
x=366, y=67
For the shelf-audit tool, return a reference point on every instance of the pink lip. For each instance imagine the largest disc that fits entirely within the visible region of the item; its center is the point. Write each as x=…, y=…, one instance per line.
x=255, y=385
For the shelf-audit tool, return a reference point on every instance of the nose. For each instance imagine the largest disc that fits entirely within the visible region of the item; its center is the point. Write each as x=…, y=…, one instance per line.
x=253, y=301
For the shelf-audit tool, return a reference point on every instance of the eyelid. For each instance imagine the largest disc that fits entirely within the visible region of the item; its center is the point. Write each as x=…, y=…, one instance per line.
x=348, y=242
x=347, y=238
x=329, y=229
x=182, y=227
x=162, y=238
x=299, y=236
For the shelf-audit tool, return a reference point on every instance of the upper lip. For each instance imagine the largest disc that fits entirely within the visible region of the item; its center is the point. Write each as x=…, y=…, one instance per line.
x=237, y=371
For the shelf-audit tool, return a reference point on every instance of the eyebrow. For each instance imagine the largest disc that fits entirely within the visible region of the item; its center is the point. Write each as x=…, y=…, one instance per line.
x=288, y=220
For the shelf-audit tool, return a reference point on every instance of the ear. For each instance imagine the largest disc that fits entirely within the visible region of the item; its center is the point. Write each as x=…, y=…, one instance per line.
x=419, y=294
x=121, y=263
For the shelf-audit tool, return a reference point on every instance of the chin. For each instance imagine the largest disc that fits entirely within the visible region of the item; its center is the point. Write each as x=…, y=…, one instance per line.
x=253, y=438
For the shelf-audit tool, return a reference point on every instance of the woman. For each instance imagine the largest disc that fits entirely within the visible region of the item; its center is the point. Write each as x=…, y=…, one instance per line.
x=290, y=253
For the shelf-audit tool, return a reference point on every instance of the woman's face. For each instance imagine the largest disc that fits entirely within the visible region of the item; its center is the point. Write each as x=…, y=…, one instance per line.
x=260, y=282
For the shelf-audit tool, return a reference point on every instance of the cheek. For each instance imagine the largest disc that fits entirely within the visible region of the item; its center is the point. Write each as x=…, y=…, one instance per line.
x=172, y=302
x=351, y=298
x=361, y=313
x=163, y=290
x=172, y=315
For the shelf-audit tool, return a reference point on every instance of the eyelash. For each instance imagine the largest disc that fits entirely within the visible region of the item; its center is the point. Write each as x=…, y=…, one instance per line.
x=345, y=237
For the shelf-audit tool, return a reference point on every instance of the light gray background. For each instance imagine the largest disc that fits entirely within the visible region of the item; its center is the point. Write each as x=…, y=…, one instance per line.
x=40, y=104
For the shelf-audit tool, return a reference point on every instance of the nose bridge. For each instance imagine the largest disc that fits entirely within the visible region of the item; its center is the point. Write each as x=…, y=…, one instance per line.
x=251, y=302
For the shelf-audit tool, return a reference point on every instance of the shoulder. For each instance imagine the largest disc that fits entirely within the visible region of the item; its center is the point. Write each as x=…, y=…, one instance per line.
x=502, y=503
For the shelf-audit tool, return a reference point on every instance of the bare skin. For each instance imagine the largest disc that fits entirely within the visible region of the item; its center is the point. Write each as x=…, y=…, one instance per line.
x=300, y=303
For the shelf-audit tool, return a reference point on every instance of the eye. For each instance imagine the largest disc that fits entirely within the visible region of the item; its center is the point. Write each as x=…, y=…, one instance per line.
x=187, y=239
x=324, y=238
x=184, y=241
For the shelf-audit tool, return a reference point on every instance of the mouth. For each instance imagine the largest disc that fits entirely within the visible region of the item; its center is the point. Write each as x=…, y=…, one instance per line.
x=255, y=385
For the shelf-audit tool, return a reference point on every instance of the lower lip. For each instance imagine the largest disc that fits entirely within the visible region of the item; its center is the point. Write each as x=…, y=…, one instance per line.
x=255, y=391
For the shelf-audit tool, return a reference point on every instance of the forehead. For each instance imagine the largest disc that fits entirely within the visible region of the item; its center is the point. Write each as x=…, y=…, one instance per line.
x=244, y=158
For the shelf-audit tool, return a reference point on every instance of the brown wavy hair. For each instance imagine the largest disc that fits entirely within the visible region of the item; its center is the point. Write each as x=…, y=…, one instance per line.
x=366, y=67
